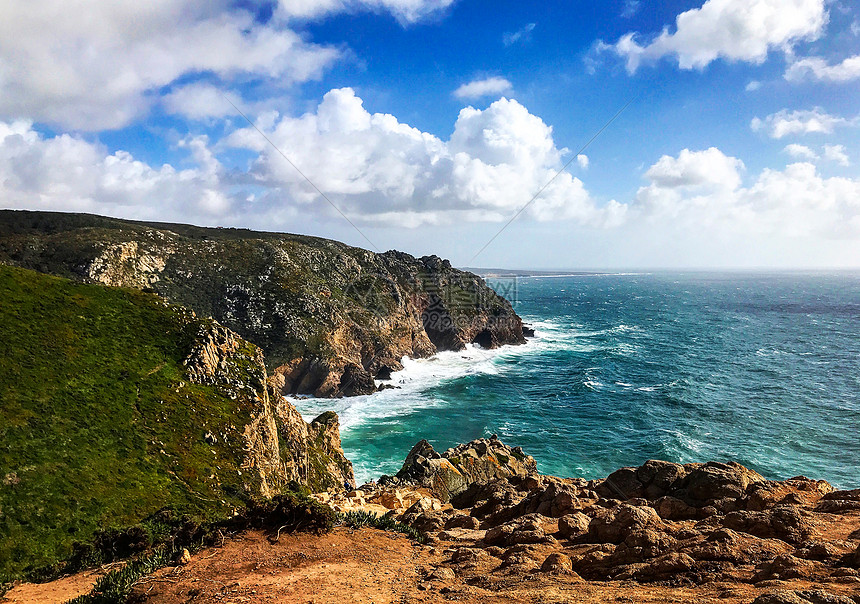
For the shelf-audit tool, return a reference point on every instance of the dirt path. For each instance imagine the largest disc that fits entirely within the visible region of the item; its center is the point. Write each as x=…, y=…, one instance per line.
x=60, y=590
x=371, y=566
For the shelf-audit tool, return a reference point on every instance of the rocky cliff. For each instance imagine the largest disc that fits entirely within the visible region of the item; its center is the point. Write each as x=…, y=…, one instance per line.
x=115, y=404
x=280, y=447
x=329, y=317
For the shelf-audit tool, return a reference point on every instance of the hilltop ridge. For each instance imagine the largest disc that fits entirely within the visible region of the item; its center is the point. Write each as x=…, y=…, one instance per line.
x=329, y=317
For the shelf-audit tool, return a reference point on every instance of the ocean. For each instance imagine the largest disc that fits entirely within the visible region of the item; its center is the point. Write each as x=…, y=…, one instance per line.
x=758, y=368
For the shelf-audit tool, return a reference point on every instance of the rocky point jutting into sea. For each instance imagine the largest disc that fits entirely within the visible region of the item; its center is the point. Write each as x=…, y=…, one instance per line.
x=169, y=350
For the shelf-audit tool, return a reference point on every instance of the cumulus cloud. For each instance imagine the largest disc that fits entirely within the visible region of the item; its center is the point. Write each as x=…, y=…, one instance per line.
x=753, y=85
x=800, y=151
x=486, y=87
x=100, y=65
x=734, y=30
x=68, y=173
x=198, y=101
x=521, y=35
x=816, y=68
x=794, y=202
x=583, y=161
x=836, y=154
x=785, y=122
x=379, y=169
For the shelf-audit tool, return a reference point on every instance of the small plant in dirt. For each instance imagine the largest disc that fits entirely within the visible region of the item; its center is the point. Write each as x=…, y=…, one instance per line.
x=358, y=519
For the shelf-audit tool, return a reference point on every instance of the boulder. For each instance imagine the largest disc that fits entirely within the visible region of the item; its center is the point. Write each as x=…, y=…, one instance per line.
x=573, y=525
x=557, y=564
x=477, y=462
x=789, y=523
x=714, y=481
x=613, y=526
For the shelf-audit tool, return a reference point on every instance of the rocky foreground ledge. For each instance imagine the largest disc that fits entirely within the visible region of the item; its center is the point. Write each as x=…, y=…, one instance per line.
x=495, y=521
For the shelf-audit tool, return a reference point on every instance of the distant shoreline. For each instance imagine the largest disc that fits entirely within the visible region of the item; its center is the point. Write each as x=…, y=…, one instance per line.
x=502, y=272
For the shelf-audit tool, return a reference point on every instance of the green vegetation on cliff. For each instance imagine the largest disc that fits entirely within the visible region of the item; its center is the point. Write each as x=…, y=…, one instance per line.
x=329, y=317
x=99, y=422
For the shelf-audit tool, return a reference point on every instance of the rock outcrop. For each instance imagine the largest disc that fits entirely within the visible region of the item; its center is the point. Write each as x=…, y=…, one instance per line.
x=280, y=447
x=455, y=470
x=661, y=523
x=329, y=317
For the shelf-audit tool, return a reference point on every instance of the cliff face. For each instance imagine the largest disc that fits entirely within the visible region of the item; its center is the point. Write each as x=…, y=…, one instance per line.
x=115, y=404
x=280, y=447
x=329, y=317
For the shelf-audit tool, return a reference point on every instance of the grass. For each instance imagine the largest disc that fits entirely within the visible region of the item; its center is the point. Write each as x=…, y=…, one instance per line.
x=99, y=424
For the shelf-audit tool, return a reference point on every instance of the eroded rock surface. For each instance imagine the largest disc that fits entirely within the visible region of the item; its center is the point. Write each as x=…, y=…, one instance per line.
x=452, y=472
x=279, y=445
x=661, y=523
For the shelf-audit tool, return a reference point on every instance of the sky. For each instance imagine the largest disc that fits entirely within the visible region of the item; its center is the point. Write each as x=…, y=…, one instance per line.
x=553, y=135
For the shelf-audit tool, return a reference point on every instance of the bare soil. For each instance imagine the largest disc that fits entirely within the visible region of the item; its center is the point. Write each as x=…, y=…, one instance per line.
x=372, y=566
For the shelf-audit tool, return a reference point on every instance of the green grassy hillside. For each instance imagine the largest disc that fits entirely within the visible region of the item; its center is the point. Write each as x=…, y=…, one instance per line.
x=99, y=424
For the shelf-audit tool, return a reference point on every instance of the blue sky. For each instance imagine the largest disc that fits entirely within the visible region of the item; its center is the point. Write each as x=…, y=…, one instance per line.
x=429, y=124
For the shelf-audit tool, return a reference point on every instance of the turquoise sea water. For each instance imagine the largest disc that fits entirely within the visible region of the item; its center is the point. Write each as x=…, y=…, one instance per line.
x=763, y=369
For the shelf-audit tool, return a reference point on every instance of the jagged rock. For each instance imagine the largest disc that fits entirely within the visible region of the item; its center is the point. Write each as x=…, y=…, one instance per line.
x=462, y=521
x=524, y=530
x=488, y=499
x=852, y=560
x=816, y=550
x=787, y=522
x=715, y=481
x=279, y=445
x=479, y=461
x=614, y=525
x=641, y=545
x=355, y=380
x=442, y=573
x=784, y=566
x=573, y=525
x=672, y=508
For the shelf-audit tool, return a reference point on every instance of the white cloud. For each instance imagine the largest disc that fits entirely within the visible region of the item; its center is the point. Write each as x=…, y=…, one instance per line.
x=100, y=65
x=406, y=11
x=785, y=122
x=734, y=30
x=583, y=161
x=855, y=27
x=816, y=68
x=800, y=151
x=521, y=35
x=199, y=101
x=68, y=173
x=377, y=168
x=696, y=170
x=486, y=87
x=753, y=85
x=836, y=154
x=794, y=202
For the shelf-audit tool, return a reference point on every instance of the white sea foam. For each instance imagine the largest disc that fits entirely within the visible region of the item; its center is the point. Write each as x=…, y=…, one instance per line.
x=414, y=385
